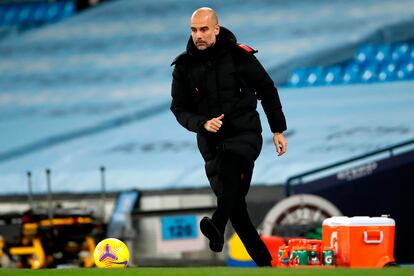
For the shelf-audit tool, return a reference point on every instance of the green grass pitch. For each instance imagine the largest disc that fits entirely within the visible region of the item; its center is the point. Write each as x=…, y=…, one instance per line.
x=210, y=271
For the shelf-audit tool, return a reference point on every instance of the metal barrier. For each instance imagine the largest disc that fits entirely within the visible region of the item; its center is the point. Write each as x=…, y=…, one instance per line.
x=297, y=179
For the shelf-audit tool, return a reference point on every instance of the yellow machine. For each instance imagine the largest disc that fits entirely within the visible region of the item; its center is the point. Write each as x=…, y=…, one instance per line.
x=35, y=240
x=1, y=246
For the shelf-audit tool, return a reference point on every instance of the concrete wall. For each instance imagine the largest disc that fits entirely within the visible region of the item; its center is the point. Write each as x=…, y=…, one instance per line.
x=145, y=220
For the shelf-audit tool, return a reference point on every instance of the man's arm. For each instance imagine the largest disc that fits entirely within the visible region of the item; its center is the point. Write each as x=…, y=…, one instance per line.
x=181, y=105
x=259, y=80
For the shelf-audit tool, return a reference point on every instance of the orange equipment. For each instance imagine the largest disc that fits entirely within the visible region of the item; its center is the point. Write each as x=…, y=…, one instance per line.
x=360, y=241
x=272, y=243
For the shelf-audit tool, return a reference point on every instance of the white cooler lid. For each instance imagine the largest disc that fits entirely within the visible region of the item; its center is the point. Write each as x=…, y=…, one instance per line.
x=359, y=221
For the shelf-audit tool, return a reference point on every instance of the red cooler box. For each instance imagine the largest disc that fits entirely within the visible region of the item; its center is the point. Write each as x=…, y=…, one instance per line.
x=360, y=241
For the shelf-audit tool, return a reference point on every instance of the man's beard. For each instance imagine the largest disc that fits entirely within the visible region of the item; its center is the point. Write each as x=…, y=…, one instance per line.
x=204, y=45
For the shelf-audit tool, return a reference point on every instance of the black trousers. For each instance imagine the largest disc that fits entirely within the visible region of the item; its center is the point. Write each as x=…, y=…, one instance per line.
x=231, y=184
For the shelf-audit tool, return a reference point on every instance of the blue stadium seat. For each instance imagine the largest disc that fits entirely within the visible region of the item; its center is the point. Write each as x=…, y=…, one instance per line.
x=68, y=9
x=381, y=62
x=351, y=72
x=39, y=13
x=10, y=15
x=387, y=72
x=315, y=76
x=400, y=75
x=298, y=77
x=24, y=13
x=406, y=71
x=409, y=67
x=369, y=73
x=333, y=75
x=383, y=53
x=400, y=51
x=365, y=54
x=52, y=12
x=411, y=54
x=2, y=10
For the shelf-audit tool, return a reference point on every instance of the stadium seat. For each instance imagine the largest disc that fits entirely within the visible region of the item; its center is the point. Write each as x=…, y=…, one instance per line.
x=332, y=75
x=411, y=54
x=387, y=71
x=406, y=70
x=315, y=76
x=68, y=9
x=400, y=74
x=10, y=15
x=2, y=8
x=369, y=73
x=351, y=73
x=24, y=13
x=297, y=78
x=382, y=54
x=365, y=54
x=39, y=13
x=400, y=51
x=409, y=67
x=52, y=12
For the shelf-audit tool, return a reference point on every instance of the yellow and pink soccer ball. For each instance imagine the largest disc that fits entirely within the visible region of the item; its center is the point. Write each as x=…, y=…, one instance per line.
x=111, y=253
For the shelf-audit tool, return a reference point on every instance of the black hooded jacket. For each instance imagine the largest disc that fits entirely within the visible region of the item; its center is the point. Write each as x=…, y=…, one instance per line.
x=224, y=79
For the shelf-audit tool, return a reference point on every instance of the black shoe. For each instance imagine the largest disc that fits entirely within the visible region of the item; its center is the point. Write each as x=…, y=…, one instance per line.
x=263, y=263
x=212, y=233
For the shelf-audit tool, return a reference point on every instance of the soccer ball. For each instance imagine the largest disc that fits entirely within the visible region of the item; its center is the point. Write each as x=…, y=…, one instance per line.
x=111, y=253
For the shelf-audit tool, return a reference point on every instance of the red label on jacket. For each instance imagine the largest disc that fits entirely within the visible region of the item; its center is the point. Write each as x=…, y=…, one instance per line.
x=246, y=48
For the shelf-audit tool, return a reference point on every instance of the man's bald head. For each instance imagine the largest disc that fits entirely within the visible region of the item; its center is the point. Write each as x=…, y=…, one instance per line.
x=204, y=28
x=206, y=12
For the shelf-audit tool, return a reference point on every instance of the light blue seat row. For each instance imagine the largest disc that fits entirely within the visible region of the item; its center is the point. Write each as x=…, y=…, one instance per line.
x=386, y=52
x=35, y=12
x=371, y=63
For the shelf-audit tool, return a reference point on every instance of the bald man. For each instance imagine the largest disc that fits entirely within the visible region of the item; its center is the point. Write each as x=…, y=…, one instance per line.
x=215, y=88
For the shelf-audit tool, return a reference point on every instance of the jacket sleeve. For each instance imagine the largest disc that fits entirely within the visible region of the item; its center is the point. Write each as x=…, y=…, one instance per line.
x=259, y=80
x=181, y=104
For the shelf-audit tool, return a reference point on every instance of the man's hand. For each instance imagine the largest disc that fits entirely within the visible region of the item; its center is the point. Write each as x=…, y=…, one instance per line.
x=214, y=124
x=280, y=143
